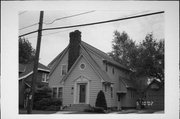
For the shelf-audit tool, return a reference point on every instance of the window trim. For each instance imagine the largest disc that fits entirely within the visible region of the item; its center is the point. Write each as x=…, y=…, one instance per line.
x=113, y=70
x=84, y=66
x=44, y=76
x=58, y=96
x=62, y=69
x=106, y=67
x=112, y=92
x=56, y=88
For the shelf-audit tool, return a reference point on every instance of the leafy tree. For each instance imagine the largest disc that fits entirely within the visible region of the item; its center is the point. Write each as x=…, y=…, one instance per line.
x=151, y=54
x=101, y=100
x=26, y=51
x=124, y=49
x=146, y=58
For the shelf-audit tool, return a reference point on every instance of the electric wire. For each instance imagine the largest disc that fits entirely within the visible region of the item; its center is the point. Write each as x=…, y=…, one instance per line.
x=29, y=26
x=58, y=19
x=95, y=23
x=68, y=17
x=102, y=22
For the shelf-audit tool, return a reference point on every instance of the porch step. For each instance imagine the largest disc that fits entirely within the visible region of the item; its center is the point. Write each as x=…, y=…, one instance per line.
x=77, y=107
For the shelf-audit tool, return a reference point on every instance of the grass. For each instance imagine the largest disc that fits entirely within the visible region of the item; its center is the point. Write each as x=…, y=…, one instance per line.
x=23, y=111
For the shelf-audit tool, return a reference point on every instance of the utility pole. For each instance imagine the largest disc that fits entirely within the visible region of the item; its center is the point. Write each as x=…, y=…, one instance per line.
x=35, y=69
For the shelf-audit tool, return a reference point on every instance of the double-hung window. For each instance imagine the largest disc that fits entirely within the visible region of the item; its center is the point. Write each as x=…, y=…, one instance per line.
x=44, y=77
x=63, y=69
x=54, y=92
x=60, y=93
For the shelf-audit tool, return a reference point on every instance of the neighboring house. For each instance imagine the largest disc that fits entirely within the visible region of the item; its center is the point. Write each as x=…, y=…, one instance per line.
x=25, y=78
x=154, y=96
x=80, y=71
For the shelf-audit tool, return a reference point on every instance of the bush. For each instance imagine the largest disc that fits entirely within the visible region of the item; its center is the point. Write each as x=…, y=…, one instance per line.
x=41, y=93
x=99, y=109
x=49, y=104
x=101, y=100
x=95, y=110
x=52, y=108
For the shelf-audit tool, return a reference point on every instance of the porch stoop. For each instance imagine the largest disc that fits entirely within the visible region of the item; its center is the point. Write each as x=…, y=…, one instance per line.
x=77, y=107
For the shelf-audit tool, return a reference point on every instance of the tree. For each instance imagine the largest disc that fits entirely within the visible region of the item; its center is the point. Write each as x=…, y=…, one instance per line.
x=151, y=54
x=125, y=50
x=101, y=100
x=146, y=58
x=26, y=51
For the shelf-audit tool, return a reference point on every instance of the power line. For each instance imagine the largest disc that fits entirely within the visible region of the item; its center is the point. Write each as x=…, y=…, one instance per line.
x=28, y=26
x=95, y=23
x=88, y=24
x=28, y=33
x=68, y=17
x=58, y=19
x=49, y=34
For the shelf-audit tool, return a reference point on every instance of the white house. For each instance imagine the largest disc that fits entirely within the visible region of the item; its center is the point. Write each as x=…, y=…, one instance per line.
x=80, y=71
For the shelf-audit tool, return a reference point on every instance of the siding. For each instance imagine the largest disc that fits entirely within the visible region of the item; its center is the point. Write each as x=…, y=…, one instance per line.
x=88, y=72
x=56, y=77
x=28, y=80
x=157, y=97
x=21, y=93
x=129, y=99
x=117, y=86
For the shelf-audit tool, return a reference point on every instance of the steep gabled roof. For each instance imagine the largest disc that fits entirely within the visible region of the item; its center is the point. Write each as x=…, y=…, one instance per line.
x=58, y=57
x=103, y=55
x=102, y=74
x=86, y=51
x=154, y=82
x=128, y=83
x=53, y=64
x=27, y=69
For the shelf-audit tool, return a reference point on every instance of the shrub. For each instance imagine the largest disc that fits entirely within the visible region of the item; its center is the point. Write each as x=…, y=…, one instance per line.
x=41, y=93
x=99, y=109
x=49, y=104
x=101, y=100
x=95, y=110
x=52, y=108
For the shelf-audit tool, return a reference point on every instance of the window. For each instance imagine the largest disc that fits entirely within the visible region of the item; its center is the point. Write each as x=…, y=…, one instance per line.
x=105, y=87
x=132, y=94
x=111, y=92
x=106, y=68
x=44, y=77
x=54, y=92
x=82, y=66
x=63, y=69
x=60, y=93
x=113, y=70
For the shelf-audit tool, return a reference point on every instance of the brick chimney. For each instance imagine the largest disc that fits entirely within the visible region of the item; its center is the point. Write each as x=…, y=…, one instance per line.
x=74, y=47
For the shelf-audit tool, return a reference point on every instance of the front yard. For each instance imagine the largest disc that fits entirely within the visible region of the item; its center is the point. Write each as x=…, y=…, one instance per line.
x=134, y=111
x=23, y=111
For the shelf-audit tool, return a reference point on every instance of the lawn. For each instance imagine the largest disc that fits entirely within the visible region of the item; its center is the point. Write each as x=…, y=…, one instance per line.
x=22, y=111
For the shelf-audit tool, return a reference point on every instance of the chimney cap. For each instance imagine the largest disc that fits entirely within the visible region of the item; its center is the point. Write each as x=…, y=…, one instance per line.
x=75, y=33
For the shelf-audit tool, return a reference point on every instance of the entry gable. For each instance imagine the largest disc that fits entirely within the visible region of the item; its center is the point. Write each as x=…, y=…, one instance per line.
x=82, y=56
x=81, y=79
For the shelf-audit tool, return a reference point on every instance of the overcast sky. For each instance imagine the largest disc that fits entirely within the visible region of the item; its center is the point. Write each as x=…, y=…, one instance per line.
x=99, y=36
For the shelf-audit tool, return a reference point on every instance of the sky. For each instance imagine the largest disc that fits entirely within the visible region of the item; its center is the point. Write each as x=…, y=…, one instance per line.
x=99, y=36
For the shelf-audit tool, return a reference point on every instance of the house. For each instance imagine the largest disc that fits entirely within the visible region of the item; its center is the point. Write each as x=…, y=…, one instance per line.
x=80, y=71
x=25, y=78
x=154, y=95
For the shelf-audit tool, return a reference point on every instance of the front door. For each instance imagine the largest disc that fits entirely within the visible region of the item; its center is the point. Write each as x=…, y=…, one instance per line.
x=82, y=93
